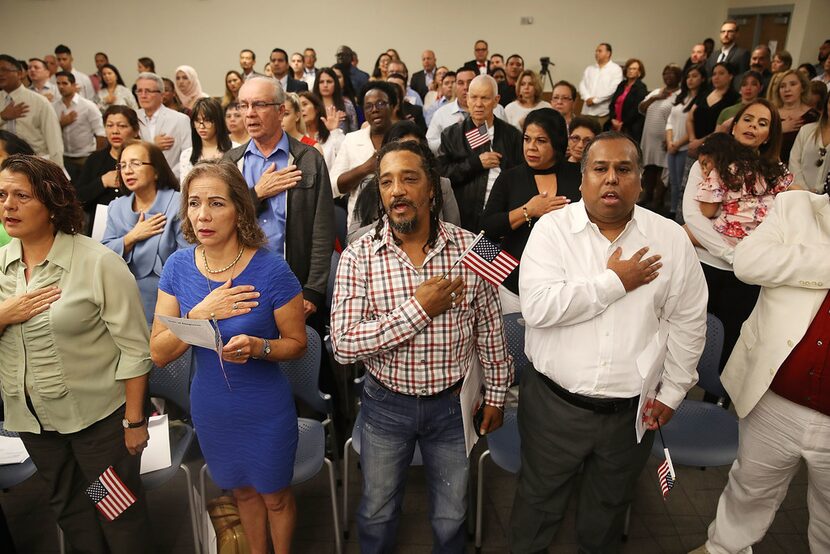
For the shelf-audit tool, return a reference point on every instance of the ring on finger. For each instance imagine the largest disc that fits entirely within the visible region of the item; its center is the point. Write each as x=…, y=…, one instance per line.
x=453, y=295
x=239, y=353
x=235, y=306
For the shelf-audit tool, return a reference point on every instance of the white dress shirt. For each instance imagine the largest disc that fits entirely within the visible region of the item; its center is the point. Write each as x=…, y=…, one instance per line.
x=355, y=149
x=585, y=332
x=309, y=76
x=447, y=115
x=49, y=88
x=39, y=127
x=167, y=122
x=84, y=85
x=599, y=83
x=123, y=97
x=676, y=123
x=516, y=113
x=79, y=136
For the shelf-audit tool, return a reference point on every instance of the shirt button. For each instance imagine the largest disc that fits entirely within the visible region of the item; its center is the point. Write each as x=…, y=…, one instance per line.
x=790, y=343
x=423, y=361
x=819, y=343
x=772, y=371
x=423, y=391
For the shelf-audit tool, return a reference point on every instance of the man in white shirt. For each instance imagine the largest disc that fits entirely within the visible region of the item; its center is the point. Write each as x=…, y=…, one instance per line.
x=599, y=81
x=28, y=114
x=82, y=127
x=82, y=81
x=611, y=294
x=309, y=71
x=480, y=64
x=168, y=129
x=39, y=77
x=455, y=111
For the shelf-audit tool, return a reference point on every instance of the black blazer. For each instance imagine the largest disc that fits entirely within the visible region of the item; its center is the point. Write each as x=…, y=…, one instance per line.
x=738, y=57
x=507, y=93
x=632, y=119
x=474, y=66
x=295, y=85
x=418, y=83
x=514, y=188
x=461, y=164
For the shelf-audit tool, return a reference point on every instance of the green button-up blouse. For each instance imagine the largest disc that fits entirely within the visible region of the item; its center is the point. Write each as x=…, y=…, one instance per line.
x=72, y=359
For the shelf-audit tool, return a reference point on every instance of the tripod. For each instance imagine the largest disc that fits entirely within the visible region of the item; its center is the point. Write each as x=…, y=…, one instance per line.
x=545, y=71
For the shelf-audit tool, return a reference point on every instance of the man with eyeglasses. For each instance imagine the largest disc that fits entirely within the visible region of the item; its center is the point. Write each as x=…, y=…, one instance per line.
x=166, y=128
x=290, y=188
x=356, y=156
x=481, y=65
x=729, y=52
x=28, y=114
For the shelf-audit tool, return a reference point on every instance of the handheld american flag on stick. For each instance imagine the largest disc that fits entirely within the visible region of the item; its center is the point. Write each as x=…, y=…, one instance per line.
x=487, y=260
x=477, y=136
x=110, y=495
x=665, y=472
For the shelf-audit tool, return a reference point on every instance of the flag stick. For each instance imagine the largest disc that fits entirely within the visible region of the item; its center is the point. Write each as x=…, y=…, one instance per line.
x=461, y=257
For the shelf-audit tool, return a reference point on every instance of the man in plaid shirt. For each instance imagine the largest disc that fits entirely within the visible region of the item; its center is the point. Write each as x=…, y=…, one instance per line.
x=417, y=333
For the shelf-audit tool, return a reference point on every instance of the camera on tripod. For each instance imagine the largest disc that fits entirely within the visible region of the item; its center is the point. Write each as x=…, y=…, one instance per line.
x=545, y=61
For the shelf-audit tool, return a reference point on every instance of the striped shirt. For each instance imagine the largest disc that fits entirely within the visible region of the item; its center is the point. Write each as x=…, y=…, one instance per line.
x=377, y=320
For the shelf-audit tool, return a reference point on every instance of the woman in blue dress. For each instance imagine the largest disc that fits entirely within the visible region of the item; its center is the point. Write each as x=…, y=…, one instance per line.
x=242, y=406
x=143, y=227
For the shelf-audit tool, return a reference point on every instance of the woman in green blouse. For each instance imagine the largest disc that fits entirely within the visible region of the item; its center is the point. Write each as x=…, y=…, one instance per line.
x=74, y=355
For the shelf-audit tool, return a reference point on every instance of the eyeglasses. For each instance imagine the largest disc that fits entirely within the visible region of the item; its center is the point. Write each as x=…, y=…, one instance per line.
x=584, y=140
x=132, y=164
x=146, y=91
x=821, y=152
x=379, y=105
x=203, y=123
x=561, y=98
x=257, y=106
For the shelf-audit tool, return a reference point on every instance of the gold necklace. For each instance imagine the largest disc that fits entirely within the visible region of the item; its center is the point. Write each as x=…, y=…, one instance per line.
x=227, y=267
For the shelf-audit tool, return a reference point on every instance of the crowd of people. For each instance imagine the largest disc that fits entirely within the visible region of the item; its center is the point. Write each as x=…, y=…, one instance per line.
x=633, y=213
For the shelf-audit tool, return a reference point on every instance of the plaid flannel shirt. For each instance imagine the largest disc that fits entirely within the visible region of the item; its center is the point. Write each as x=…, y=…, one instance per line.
x=377, y=320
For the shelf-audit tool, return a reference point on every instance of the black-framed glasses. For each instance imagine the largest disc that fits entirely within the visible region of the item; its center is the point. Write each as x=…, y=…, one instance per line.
x=257, y=106
x=379, y=105
x=822, y=151
x=132, y=164
x=561, y=98
x=203, y=123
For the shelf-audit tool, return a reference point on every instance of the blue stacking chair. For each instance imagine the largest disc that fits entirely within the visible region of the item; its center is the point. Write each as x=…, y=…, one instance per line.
x=514, y=332
x=172, y=382
x=504, y=447
x=703, y=434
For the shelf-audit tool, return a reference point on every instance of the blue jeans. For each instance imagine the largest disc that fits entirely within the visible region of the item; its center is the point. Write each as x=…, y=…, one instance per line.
x=676, y=163
x=392, y=423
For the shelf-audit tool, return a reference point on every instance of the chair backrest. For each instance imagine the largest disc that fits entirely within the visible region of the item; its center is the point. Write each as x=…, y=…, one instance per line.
x=335, y=260
x=172, y=382
x=340, y=228
x=304, y=375
x=311, y=449
x=709, y=364
x=514, y=332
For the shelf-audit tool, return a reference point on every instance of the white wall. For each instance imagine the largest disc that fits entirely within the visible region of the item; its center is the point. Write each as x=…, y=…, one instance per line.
x=208, y=34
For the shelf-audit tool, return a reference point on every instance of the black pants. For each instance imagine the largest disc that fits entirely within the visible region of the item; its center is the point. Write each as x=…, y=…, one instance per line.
x=731, y=301
x=557, y=440
x=69, y=463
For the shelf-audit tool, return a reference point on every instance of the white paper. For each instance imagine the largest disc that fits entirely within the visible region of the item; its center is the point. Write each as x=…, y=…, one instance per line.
x=157, y=454
x=471, y=399
x=197, y=332
x=647, y=395
x=650, y=366
x=12, y=451
x=100, y=224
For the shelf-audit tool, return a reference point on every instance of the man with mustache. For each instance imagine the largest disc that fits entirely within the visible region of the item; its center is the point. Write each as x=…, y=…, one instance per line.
x=417, y=332
x=611, y=294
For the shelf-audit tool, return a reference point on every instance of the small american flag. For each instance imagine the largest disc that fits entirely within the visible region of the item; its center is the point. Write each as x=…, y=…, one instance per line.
x=665, y=475
x=489, y=261
x=110, y=495
x=477, y=136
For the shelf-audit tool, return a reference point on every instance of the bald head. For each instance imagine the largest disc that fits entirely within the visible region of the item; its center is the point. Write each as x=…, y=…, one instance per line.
x=428, y=60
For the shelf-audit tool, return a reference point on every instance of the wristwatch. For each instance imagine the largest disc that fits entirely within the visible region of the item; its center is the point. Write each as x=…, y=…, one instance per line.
x=127, y=425
x=266, y=348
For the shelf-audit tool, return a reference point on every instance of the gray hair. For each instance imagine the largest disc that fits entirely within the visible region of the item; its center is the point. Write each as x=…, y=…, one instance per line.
x=485, y=79
x=611, y=135
x=147, y=76
x=279, y=93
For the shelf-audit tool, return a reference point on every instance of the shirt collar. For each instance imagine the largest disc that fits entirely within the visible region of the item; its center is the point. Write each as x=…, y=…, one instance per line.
x=281, y=145
x=580, y=219
x=60, y=254
x=456, y=107
x=388, y=240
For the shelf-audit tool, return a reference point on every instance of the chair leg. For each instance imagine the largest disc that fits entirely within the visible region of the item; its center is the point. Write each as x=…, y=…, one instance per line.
x=203, y=507
x=332, y=437
x=197, y=545
x=627, y=523
x=61, y=541
x=334, y=515
x=346, y=448
x=480, y=498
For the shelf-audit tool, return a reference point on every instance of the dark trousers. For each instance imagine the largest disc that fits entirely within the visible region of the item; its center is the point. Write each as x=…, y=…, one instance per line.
x=557, y=440
x=69, y=463
x=730, y=300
